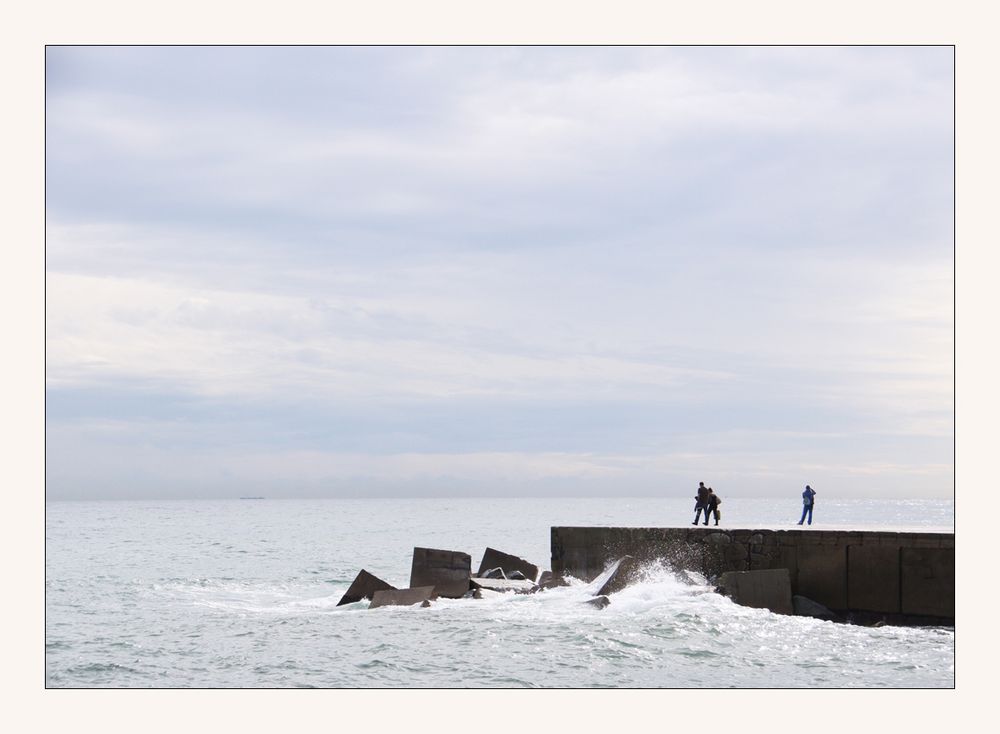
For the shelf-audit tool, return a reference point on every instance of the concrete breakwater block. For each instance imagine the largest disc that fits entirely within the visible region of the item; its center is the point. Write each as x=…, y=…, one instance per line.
x=493, y=558
x=764, y=589
x=363, y=587
x=481, y=593
x=518, y=586
x=805, y=607
x=447, y=571
x=623, y=572
x=402, y=597
x=548, y=581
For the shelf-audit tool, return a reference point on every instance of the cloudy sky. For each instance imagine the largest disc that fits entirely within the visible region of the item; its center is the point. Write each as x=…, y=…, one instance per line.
x=499, y=271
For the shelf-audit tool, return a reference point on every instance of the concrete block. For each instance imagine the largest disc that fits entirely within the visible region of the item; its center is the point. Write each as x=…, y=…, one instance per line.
x=788, y=538
x=624, y=572
x=570, y=550
x=828, y=537
x=819, y=564
x=852, y=537
x=717, y=558
x=498, y=559
x=447, y=571
x=880, y=538
x=808, y=608
x=486, y=594
x=932, y=540
x=927, y=581
x=770, y=589
x=363, y=587
x=603, y=551
x=548, y=581
x=764, y=551
x=822, y=574
x=788, y=557
x=873, y=578
x=807, y=537
x=598, y=601
x=401, y=597
x=740, y=535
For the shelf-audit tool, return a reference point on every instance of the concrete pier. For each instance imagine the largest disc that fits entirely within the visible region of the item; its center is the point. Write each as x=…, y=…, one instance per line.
x=905, y=576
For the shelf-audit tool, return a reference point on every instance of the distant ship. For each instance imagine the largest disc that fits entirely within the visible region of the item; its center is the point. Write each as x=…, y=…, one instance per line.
x=251, y=498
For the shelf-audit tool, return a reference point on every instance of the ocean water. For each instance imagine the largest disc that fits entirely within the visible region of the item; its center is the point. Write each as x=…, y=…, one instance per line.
x=243, y=593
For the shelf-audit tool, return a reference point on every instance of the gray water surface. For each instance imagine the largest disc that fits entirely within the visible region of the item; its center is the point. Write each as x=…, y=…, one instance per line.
x=243, y=593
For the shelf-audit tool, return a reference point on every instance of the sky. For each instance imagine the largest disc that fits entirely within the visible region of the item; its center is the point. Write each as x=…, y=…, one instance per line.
x=499, y=271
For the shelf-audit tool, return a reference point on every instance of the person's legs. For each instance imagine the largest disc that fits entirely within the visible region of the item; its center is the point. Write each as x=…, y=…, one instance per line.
x=810, y=514
x=805, y=509
x=697, y=514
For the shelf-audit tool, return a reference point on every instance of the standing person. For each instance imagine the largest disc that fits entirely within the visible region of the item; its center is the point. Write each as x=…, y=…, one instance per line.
x=713, y=506
x=808, y=495
x=701, y=503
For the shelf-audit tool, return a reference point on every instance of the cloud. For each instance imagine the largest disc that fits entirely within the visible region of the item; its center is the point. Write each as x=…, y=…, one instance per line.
x=636, y=248
x=467, y=144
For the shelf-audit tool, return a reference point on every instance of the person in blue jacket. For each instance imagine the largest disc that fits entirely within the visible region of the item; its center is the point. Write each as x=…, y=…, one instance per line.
x=808, y=500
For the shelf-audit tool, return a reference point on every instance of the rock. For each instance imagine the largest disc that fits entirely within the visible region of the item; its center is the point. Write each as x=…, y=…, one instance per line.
x=504, y=585
x=493, y=558
x=764, y=589
x=805, y=607
x=598, y=601
x=447, y=571
x=623, y=572
x=493, y=573
x=402, y=597
x=363, y=587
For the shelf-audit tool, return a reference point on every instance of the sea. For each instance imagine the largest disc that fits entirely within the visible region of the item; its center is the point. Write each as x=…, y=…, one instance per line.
x=243, y=593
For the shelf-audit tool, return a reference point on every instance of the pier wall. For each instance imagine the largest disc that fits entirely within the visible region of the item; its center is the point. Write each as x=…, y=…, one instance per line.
x=896, y=574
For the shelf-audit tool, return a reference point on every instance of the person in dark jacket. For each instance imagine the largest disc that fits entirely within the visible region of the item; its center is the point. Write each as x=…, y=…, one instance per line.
x=808, y=500
x=701, y=502
x=713, y=506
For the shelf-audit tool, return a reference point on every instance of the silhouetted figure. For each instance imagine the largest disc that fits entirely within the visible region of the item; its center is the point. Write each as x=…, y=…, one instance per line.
x=713, y=506
x=808, y=495
x=701, y=502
